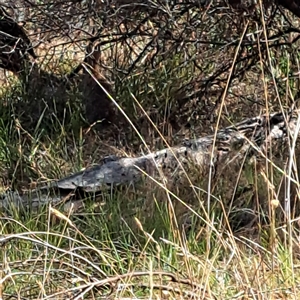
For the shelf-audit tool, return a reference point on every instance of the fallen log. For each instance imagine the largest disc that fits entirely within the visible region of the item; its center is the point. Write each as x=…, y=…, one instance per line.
x=249, y=136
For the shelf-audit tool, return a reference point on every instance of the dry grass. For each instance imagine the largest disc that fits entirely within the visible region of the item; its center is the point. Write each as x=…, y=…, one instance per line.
x=229, y=237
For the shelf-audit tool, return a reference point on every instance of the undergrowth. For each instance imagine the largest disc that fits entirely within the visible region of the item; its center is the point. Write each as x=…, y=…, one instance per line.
x=171, y=240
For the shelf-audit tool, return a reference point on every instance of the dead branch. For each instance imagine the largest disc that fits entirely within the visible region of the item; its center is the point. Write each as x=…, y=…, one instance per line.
x=249, y=137
x=291, y=5
x=112, y=281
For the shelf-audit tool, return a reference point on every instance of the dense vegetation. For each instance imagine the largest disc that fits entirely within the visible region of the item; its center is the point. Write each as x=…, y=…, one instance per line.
x=180, y=69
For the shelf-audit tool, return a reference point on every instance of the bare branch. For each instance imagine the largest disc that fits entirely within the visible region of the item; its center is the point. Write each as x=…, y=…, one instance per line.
x=246, y=138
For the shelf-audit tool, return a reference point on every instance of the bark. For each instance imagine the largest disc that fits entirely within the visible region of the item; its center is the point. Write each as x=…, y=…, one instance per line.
x=248, y=137
x=291, y=5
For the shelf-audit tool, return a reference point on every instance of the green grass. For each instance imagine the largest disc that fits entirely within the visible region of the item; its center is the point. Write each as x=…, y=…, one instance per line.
x=58, y=254
x=61, y=252
x=152, y=241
